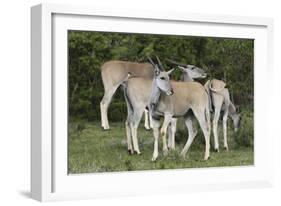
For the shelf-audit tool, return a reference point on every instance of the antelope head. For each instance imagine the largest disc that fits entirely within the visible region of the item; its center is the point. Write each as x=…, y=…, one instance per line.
x=193, y=72
x=190, y=71
x=163, y=81
x=162, y=77
x=236, y=119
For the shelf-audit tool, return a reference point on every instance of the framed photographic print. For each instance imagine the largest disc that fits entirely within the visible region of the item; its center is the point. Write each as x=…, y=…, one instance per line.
x=138, y=102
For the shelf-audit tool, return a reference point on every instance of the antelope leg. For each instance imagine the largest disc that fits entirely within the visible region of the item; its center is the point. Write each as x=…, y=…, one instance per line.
x=215, y=128
x=129, y=138
x=108, y=94
x=167, y=120
x=134, y=124
x=172, y=133
x=156, y=125
x=191, y=135
x=146, y=121
x=225, y=115
x=201, y=117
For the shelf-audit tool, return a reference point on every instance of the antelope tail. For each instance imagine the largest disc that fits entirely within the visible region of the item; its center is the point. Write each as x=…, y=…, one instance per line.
x=129, y=76
x=216, y=86
x=124, y=86
x=216, y=90
x=207, y=84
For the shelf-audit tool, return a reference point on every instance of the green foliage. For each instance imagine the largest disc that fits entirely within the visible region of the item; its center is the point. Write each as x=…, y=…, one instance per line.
x=228, y=59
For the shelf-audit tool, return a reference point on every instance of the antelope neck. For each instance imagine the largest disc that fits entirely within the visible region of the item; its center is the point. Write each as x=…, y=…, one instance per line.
x=187, y=78
x=155, y=95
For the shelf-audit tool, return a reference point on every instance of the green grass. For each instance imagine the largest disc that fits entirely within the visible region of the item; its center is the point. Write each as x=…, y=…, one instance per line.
x=90, y=149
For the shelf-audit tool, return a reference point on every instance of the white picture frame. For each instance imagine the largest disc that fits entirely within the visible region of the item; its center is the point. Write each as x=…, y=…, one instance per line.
x=49, y=178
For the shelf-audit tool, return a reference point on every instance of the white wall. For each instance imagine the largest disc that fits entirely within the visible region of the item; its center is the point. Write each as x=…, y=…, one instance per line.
x=15, y=95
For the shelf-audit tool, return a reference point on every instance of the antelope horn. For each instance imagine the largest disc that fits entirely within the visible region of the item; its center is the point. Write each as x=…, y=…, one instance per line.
x=160, y=64
x=150, y=60
x=174, y=62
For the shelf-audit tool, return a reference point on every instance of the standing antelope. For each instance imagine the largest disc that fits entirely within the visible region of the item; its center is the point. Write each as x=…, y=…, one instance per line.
x=113, y=74
x=189, y=73
x=167, y=102
x=219, y=99
x=221, y=102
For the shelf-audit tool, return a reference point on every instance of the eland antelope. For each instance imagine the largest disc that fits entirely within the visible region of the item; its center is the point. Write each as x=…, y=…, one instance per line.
x=113, y=74
x=219, y=99
x=221, y=102
x=166, y=99
x=189, y=73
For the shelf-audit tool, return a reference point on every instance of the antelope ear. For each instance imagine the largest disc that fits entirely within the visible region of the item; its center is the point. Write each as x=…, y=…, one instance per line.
x=170, y=71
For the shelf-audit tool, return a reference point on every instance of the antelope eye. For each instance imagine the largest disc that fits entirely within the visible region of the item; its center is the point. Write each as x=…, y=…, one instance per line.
x=162, y=78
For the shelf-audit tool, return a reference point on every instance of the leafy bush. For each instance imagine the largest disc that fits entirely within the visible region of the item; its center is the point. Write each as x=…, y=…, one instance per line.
x=230, y=60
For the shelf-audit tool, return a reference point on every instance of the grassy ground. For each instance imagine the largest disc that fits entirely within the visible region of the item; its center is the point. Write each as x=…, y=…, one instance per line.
x=93, y=150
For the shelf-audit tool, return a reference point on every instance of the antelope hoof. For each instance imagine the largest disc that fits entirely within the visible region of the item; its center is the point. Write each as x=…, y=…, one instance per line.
x=226, y=148
x=138, y=152
x=182, y=154
x=206, y=158
x=130, y=151
x=147, y=127
x=106, y=128
x=217, y=150
x=154, y=158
